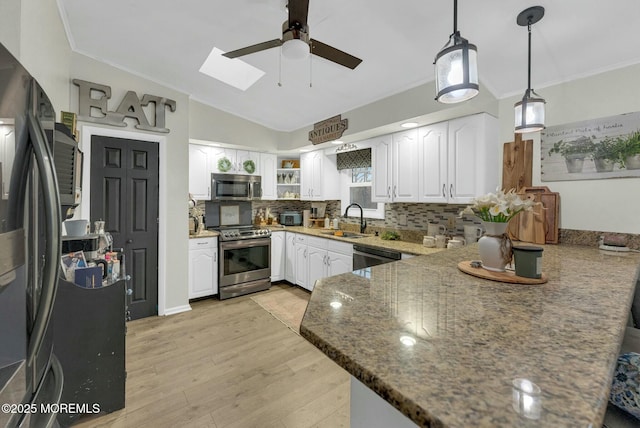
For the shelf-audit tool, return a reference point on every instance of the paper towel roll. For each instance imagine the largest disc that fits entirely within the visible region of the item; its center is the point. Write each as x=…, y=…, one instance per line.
x=306, y=218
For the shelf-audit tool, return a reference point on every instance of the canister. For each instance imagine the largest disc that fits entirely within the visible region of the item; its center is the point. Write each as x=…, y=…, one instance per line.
x=528, y=260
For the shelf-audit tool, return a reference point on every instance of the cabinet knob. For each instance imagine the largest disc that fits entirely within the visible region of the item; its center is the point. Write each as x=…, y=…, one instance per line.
x=129, y=241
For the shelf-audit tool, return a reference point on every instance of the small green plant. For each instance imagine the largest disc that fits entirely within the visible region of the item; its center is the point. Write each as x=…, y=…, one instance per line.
x=578, y=148
x=607, y=148
x=628, y=147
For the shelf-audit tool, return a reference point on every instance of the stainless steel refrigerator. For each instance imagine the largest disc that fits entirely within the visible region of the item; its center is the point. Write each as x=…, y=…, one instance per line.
x=30, y=220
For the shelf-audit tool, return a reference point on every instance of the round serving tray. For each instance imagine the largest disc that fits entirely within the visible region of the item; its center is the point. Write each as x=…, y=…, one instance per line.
x=507, y=276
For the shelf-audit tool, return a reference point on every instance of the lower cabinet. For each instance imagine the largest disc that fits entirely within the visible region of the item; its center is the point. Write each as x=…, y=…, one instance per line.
x=203, y=267
x=322, y=258
x=278, y=246
x=290, y=258
x=302, y=264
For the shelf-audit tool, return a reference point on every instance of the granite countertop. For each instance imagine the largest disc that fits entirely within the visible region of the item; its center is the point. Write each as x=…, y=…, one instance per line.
x=369, y=240
x=204, y=234
x=475, y=337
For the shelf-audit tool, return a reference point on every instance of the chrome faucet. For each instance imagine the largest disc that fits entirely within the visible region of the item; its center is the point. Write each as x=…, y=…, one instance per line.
x=363, y=222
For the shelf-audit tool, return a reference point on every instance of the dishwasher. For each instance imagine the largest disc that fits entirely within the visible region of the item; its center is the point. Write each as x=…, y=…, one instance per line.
x=364, y=256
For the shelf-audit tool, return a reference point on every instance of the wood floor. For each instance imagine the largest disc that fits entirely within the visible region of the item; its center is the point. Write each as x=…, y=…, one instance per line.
x=227, y=364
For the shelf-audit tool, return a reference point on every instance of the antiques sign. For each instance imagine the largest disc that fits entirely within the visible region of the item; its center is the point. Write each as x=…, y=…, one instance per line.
x=328, y=130
x=130, y=106
x=607, y=147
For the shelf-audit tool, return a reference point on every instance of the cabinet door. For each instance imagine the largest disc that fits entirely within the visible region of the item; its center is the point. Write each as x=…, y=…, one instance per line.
x=290, y=259
x=306, y=175
x=433, y=158
x=203, y=277
x=466, y=141
x=199, y=173
x=247, y=162
x=317, y=261
x=222, y=161
x=268, y=171
x=338, y=263
x=405, y=166
x=278, y=246
x=381, y=156
x=302, y=269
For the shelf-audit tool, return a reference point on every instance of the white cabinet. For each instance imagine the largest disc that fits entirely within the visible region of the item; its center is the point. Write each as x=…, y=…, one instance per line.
x=268, y=170
x=319, y=177
x=200, y=158
x=405, y=166
x=450, y=162
x=232, y=161
x=433, y=180
x=302, y=267
x=290, y=258
x=462, y=166
x=203, y=267
x=395, y=164
x=326, y=257
x=382, y=180
x=278, y=246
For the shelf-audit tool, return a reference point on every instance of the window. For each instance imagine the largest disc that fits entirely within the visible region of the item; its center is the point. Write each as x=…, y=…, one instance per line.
x=355, y=186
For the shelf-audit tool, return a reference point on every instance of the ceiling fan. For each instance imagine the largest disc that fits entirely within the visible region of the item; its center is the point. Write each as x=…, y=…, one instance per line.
x=295, y=40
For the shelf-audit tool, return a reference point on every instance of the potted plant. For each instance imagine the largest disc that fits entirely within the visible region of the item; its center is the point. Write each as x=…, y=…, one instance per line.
x=605, y=154
x=629, y=151
x=573, y=152
x=495, y=210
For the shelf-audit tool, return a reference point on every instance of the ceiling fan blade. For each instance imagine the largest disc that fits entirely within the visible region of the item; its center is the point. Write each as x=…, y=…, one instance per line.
x=298, y=12
x=253, y=48
x=333, y=54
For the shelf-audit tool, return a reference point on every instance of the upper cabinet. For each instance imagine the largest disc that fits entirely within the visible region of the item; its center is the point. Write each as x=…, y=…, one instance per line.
x=200, y=159
x=205, y=160
x=472, y=166
x=319, y=178
x=450, y=162
x=268, y=171
x=395, y=164
x=232, y=161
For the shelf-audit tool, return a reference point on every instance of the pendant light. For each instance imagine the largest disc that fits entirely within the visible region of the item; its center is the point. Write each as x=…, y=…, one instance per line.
x=529, y=113
x=456, y=67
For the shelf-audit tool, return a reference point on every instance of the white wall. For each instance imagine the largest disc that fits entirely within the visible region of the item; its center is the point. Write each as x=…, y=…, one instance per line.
x=384, y=116
x=33, y=31
x=174, y=164
x=210, y=124
x=611, y=205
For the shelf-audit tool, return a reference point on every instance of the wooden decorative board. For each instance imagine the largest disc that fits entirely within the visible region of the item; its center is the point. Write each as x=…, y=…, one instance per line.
x=507, y=276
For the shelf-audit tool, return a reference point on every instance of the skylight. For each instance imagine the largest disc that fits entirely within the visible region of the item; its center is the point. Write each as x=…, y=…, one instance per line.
x=234, y=72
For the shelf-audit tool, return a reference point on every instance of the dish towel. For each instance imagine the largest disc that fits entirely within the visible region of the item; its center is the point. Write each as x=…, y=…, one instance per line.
x=625, y=390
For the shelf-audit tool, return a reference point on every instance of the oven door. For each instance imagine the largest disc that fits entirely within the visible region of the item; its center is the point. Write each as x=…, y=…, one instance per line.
x=244, y=261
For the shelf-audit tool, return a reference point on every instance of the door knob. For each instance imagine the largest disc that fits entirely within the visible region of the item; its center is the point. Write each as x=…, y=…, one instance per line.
x=129, y=241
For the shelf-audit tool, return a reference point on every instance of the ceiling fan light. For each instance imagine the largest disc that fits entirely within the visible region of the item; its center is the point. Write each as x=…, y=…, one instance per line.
x=529, y=114
x=295, y=49
x=457, y=71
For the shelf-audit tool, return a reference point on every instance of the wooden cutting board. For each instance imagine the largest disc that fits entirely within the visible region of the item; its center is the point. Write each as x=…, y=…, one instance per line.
x=539, y=226
x=517, y=161
x=507, y=276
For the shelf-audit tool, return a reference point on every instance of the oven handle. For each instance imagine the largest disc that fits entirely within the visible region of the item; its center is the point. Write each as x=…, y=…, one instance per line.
x=244, y=243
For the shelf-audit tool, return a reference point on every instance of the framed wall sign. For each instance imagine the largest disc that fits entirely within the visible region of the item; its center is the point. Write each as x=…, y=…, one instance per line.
x=608, y=147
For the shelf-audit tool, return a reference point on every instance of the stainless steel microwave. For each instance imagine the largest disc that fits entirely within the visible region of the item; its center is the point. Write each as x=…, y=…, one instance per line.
x=235, y=187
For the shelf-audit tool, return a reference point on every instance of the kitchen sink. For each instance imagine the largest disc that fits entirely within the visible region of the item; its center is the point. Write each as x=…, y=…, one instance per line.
x=346, y=234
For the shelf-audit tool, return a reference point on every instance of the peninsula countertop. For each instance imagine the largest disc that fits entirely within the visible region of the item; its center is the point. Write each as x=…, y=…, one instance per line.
x=475, y=337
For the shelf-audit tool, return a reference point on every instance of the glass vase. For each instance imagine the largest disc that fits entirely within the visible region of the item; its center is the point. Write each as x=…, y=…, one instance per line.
x=495, y=246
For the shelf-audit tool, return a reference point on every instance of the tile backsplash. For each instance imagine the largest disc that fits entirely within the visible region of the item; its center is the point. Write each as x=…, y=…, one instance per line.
x=411, y=220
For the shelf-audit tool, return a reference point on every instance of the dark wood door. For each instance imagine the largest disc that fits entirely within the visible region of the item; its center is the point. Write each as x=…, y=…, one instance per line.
x=124, y=193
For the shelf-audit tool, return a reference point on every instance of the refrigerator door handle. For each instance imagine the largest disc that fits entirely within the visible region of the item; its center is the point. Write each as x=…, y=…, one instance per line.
x=51, y=268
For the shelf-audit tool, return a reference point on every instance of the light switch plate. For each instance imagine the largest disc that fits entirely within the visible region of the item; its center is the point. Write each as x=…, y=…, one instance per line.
x=402, y=219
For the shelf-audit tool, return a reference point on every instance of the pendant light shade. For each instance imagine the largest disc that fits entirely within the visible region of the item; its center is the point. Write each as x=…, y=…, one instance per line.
x=456, y=67
x=529, y=113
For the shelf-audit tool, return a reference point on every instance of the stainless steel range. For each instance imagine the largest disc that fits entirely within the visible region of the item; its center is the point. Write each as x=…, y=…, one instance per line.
x=245, y=260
